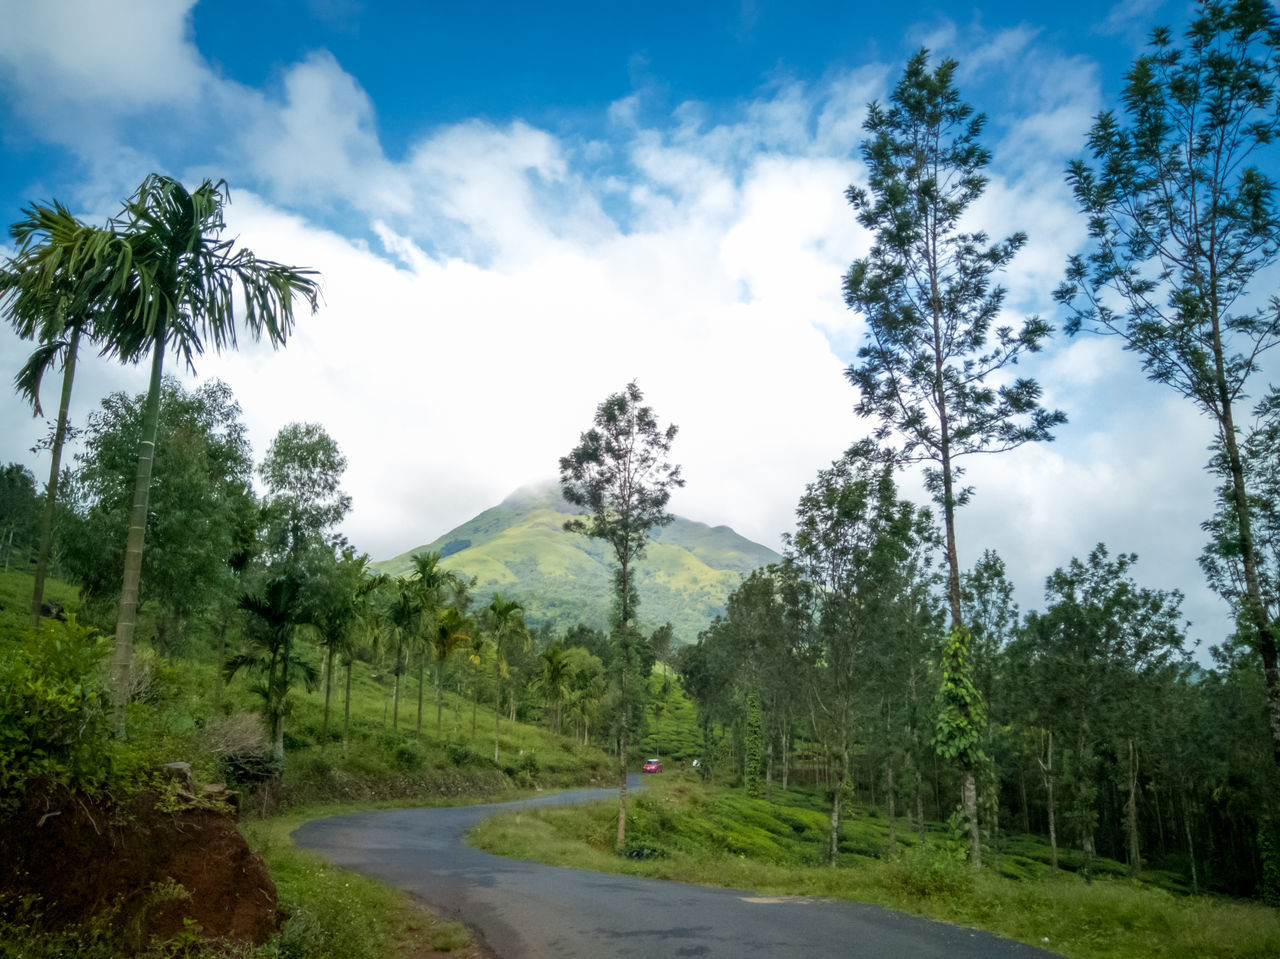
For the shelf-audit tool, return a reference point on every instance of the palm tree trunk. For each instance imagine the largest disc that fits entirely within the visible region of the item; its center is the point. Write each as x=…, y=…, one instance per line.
x=51, y=491
x=346, y=712
x=439, y=694
x=497, y=698
x=127, y=619
x=328, y=688
x=420, y=672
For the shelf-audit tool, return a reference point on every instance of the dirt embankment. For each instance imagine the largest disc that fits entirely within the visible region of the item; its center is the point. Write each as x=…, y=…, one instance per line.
x=138, y=869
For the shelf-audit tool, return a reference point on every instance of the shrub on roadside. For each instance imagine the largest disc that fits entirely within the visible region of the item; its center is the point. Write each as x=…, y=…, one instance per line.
x=53, y=708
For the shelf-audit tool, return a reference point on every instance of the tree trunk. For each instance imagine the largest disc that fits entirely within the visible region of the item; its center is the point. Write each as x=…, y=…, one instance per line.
x=969, y=796
x=625, y=612
x=127, y=619
x=1191, y=848
x=622, y=745
x=1022, y=795
x=1046, y=770
x=893, y=817
x=497, y=698
x=1255, y=610
x=837, y=791
x=346, y=712
x=421, y=671
x=1131, y=811
x=439, y=695
x=328, y=688
x=51, y=491
x=395, y=697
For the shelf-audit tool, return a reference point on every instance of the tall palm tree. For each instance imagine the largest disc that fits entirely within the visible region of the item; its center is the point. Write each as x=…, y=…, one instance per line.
x=163, y=278
x=554, y=681
x=506, y=623
x=445, y=638
x=41, y=295
x=404, y=616
x=429, y=584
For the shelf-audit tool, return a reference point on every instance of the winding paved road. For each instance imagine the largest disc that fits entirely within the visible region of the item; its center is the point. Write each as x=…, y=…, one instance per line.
x=527, y=910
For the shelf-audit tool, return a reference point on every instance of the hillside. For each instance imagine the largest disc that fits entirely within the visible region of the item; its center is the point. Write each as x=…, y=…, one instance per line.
x=520, y=548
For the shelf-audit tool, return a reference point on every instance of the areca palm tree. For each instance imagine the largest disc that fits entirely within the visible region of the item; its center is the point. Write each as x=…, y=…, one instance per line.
x=506, y=624
x=445, y=638
x=275, y=614
x=430, y=584
x=162, y=277
x=40, y=295
x=554, y=681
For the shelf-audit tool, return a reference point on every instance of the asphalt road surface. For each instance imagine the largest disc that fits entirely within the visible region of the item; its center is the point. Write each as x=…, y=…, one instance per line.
x=526, y=910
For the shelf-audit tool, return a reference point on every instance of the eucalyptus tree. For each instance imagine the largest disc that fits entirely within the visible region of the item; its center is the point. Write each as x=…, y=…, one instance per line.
x=504, y=621
x=42, y=298
x=930, y=367
x=854, y=538
x=302, y=472
x=162, y=277
x=1185, y=231
x=1097, y=654
x=621, y=475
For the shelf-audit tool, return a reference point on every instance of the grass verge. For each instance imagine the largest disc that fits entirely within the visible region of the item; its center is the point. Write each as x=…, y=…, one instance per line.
x=678, y=830
x=338, y=914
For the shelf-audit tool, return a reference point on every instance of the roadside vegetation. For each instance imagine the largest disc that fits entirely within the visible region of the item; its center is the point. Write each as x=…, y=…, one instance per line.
x=680, y=829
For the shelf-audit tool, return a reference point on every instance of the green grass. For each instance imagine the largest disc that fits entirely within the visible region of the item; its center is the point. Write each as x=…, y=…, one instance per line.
x=716, y=837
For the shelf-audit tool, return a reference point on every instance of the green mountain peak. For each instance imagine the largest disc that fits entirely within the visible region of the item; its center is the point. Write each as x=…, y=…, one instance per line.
x=521, y=549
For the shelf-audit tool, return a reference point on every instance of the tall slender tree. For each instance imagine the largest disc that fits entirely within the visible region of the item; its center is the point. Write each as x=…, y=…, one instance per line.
x=505, y=622
x=162, y=277
x=621, y=475
x=925, y=290
x=1185, y=227
x=41, y=292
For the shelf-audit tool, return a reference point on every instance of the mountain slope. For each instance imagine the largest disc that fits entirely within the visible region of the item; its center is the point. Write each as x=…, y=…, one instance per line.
x=520, y=549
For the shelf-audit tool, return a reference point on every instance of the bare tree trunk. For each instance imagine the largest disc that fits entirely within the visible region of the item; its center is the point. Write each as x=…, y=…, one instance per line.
x=346, y=712
x=1191, y=848
x=833, y=852
x=1046, y=770
x=127, y=618
x=51, y=490
x=1131, y=810
x=1022, y=794
x=328, y=688
x=893, y=819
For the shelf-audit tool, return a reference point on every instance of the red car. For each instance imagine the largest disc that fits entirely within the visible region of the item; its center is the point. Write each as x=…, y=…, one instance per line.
x=653, y=766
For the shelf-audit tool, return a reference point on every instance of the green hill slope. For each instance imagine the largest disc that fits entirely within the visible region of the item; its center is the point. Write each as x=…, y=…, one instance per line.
x=520, y=548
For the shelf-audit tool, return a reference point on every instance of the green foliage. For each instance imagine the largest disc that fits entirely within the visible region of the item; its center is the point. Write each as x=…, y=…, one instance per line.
x=961, y=713
x=52, y=708
x=925, y=288
x=202, y=506
x=755, y=746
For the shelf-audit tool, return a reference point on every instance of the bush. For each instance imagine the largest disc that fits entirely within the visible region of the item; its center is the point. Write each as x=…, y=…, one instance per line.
x=53, y=708
x=640, y=849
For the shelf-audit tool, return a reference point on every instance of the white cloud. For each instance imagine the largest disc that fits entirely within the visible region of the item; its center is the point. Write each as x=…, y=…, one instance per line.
x=81, y=53
x=479, y=302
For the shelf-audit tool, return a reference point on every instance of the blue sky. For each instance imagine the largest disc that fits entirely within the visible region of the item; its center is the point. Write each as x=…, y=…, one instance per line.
x=519, y=207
